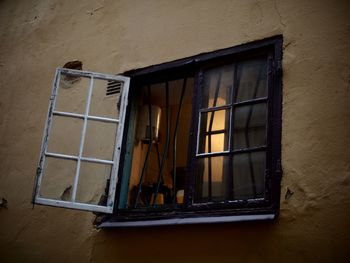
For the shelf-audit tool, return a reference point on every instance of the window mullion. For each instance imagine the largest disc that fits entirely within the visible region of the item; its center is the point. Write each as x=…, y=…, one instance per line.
x=216, y=108
x=190, y=192
x=216, y=95
x=249, y=102
x=175, y=136
x=249, y=117
x=48, y=126
x=270, y=136
x=236, y=81
x=62, y=156
x=68, y=114
x=82, y=139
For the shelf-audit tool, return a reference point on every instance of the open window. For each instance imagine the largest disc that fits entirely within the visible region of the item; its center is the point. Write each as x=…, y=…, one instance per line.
x=202, y=141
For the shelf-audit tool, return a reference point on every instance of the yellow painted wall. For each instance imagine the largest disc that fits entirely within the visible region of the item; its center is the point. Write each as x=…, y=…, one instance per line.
x=114, y=36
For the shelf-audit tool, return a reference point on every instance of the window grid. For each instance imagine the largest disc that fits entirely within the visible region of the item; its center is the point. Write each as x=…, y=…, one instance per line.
x=210, y=132
x=232, y=106
x=108, y=208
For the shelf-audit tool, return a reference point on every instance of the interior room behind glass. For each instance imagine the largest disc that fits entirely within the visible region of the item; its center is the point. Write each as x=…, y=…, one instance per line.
x=159, y=166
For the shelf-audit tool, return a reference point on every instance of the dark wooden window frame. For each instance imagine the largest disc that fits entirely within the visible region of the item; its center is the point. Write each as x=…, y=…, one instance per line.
x=206, y=212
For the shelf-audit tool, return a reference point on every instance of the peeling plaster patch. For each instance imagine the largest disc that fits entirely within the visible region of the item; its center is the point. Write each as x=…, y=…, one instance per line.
x=303, y=203
x=288, y=194
x=291, y=42
x=92, y=12
x=305, y=198
x=75, y=64
x=66, y=193
x=69, y=81
x=3, y=203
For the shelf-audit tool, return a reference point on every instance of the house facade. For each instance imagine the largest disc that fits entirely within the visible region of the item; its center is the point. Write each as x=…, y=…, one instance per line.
x=311, y=219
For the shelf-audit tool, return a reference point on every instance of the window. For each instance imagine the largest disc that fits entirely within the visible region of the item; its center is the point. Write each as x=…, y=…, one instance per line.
x=202, y=139
x=231, y=141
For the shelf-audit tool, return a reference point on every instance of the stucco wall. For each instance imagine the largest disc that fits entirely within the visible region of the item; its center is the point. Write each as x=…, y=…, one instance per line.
x=114, y=36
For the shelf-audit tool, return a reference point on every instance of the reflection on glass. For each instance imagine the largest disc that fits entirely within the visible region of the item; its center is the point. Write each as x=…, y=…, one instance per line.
x=65, y=135
x=248, y=175
x=251, y=79
x=93, y=182
x=214, y=131
x=249, y=129
x=57, y=182
x=100, y=140
x=235, y=176
x=102, y=105
x=212, y=181
x=72, y=94
x=217, y=86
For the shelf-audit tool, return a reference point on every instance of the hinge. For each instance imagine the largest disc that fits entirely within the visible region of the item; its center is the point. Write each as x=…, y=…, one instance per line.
x=278, y=170
x=275, y=66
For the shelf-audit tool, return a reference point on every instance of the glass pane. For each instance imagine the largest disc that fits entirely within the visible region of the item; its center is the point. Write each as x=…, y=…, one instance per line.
x=72, y=94
x=217, y=86
x=92, y=184
x=214, y=131
x=249, y=129
x=102, y=104
x=249, y=175
x=57, y=182
x=214, y=170
x=65, y=135
x=100, y=140
x=252, y=79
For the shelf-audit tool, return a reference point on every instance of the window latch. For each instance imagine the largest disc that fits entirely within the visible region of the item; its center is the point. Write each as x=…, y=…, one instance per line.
x=279, y=67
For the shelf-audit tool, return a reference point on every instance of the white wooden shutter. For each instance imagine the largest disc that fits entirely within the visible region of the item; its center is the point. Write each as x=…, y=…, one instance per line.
x=80, y=152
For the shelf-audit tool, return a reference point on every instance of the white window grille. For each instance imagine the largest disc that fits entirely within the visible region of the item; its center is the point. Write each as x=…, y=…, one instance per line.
x=75, y=159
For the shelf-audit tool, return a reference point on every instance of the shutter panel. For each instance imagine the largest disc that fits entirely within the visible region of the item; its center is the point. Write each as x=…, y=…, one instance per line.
x=80, y=152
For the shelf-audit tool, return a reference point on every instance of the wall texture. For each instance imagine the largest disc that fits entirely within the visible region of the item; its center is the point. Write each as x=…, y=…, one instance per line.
x=114, y=36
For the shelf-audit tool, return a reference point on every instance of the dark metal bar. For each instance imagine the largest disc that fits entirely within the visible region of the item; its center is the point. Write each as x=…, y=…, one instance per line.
x=158, y=155
x=248, y=102
x=175, y=138
x=275, y=122
x=236, y=83
x=249, y=117
x=213, y=154
x=166, y=146
x=149, y=146
x=209, y=137
x=215, y=132
x=247, y=150
x=216, y=108
x=230, y=159
x=227, y=141
x=194, y=183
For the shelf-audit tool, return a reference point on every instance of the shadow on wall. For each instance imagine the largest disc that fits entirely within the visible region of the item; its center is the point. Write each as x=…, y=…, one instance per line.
x=230, y=242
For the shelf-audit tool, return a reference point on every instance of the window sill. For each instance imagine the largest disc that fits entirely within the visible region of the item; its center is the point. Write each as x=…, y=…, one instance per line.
x=187, y=221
